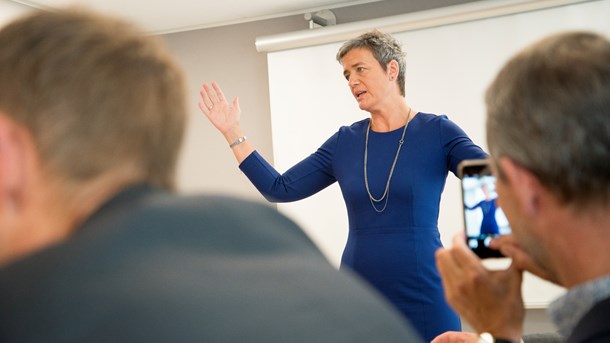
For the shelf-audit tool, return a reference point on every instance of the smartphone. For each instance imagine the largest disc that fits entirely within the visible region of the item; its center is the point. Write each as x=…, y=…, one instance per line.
x=483, y=218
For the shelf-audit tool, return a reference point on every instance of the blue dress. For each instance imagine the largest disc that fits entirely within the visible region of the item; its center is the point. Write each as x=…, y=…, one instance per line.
x=392, y=250
x=489, y=226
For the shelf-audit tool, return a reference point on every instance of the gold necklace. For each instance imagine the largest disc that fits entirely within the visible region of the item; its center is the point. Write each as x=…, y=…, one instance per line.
x=385, y=195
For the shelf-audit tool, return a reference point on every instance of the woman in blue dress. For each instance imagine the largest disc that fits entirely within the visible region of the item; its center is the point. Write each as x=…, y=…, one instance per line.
x=391, y=169
x=488, y=206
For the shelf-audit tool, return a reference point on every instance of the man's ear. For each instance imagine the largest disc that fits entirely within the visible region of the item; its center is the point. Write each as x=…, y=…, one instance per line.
x=525, y=186
x=12, y=162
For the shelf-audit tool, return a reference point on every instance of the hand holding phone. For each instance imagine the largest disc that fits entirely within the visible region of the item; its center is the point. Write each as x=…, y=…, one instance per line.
x=483, y=219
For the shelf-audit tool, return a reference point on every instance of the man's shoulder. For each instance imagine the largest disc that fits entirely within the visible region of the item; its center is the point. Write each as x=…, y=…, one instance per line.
x=593, y=327
x=196, y=268
x=147, y=223
x=221, y=218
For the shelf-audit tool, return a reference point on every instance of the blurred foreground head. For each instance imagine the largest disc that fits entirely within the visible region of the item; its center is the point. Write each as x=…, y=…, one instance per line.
x=96, y=95
x=88, y=104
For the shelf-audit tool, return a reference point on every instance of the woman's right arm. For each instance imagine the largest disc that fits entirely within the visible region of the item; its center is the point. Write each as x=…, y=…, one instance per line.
x=307, y=177
x=225, y=117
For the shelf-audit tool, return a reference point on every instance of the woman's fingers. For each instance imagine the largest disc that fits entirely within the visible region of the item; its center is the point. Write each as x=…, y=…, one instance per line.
x=219, y=95
x=206, y=103
x=210, y=98
x=212, y=95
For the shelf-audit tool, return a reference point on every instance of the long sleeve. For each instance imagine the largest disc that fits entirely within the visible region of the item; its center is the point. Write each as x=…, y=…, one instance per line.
x=456, y=144
x=306, y=178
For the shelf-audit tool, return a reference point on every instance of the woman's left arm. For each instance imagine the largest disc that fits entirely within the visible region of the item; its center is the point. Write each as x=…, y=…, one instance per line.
x=457, y=146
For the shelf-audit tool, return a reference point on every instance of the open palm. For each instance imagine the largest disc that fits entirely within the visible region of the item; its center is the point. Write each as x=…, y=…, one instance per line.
x=213, y=104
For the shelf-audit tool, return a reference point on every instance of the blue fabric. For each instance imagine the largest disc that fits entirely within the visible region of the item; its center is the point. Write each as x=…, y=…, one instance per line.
x=489, y=226
x=393, y=250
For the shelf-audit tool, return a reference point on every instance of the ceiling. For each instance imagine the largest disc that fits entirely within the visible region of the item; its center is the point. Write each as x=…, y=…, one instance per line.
x=164, y=16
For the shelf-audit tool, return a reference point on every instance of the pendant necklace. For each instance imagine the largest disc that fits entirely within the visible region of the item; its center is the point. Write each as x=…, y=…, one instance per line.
x=387, y=185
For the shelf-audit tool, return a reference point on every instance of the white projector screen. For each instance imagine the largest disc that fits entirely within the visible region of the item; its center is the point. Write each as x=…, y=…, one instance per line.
x=448, y=70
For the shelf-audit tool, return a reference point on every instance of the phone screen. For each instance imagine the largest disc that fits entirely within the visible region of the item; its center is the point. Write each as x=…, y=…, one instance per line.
x=483, y=218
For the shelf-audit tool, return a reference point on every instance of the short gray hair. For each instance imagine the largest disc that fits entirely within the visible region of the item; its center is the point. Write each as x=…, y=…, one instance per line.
x=384, y=48
x=549, y=111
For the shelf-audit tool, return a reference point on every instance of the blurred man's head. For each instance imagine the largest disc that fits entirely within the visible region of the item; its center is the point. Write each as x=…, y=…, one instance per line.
x=549, y=110
x=548, y=126
x=88, y=104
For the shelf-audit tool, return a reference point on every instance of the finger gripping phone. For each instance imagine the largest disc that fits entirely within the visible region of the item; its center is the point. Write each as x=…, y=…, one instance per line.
x=483, y=218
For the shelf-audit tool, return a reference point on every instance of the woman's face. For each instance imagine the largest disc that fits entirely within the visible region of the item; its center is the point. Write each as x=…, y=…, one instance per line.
x=367, y=80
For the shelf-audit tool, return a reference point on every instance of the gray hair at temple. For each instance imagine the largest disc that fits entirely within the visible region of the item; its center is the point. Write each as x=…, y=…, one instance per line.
x=384, y=48
x=98, y=96
x=549, y=111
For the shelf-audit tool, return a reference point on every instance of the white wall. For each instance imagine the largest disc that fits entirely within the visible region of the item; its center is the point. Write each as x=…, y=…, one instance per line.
x=10, y=10
x=228, y=56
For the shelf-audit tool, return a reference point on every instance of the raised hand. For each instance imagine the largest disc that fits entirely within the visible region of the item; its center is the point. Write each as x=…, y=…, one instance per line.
x=213, y=104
